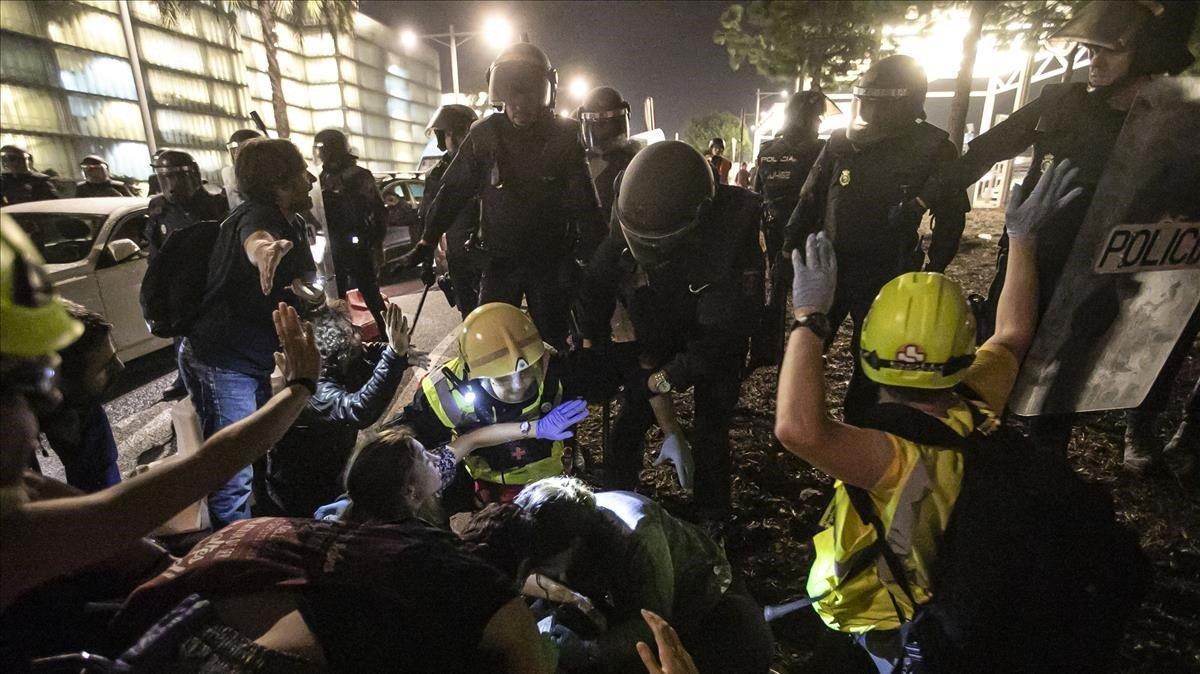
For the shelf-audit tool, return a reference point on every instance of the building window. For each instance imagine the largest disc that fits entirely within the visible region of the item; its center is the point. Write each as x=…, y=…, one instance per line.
x=106, y=119
x=171, y=51
x=91, y=74
x=29, y=109
x=79, y=26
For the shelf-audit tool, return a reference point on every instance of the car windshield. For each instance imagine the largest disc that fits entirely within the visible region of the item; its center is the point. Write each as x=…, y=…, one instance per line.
x=61, y=237
x=417, y=190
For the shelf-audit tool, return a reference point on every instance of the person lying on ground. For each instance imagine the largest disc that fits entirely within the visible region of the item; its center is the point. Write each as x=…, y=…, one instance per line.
x=381, y=591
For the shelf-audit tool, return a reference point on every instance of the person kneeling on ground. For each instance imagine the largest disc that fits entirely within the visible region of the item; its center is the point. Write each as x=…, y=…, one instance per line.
x=381, y=591
x=357, y=383
x=625, y=553
x=918, y=341
x=503, y=406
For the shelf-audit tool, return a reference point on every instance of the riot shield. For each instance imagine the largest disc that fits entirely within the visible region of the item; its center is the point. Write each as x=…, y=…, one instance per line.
x=1132, y=279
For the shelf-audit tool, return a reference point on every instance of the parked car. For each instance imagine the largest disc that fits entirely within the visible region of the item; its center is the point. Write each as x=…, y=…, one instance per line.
x=406, y=190
x=96, y=255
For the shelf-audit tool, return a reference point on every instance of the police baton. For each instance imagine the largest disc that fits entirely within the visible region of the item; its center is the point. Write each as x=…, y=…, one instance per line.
x=428, y=279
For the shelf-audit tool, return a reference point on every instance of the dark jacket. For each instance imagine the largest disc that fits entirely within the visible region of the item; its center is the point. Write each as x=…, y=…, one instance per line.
x=534, y=185
x=854, y=194
x=108, y=188
x=783, y=164
x=465, y=223
x=304, y=469
x=696, y=312
x=1065, y=122
x=353, y=206
x=17, y=189
x=165, y=218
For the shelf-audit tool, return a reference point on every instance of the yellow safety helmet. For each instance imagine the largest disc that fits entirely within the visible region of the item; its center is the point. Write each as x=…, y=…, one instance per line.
x=497, y=340
x=919, y=333
x=33, y=322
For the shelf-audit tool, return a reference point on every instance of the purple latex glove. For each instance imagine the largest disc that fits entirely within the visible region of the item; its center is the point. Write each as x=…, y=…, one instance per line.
x=558, y=421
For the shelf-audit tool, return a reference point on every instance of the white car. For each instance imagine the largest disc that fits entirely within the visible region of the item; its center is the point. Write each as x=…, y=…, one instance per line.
x=95, y=254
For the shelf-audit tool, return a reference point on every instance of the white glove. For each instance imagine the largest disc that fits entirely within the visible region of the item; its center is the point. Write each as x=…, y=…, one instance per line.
x=814, y=279
x=678, y=451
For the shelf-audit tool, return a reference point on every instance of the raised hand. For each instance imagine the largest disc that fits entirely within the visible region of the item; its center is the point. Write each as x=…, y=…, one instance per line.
x=300, y=358
x=815, y=275
x=397, y=330
x=1023, y=219
x=558, y=421
x=268, y=255
x=673, y=657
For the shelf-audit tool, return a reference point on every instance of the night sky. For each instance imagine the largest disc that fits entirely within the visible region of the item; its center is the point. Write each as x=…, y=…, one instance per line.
x=659, y=49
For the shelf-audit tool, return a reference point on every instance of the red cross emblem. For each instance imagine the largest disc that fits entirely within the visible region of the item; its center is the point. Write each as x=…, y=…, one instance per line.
x=518, y=453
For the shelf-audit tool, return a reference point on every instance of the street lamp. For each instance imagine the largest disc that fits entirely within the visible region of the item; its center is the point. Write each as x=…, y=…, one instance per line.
x=759, y=95
x=579, y=88
x=497, y=32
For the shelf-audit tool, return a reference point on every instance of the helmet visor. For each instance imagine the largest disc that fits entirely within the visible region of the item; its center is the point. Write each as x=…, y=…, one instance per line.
x=652, y=251
x=599, y=129
x=1111, y=25
x=177, y=182
x=518, y=386
x=874, y=117
x=511, y=81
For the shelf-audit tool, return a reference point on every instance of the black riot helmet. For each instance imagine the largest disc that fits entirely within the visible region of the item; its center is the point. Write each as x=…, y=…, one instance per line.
x=239, y=138
x=888, y=98
x=661, y=196
x=804, y=110
x=178, y=174
x=94, y=169
x=603, y=118
x=522, y=69
x=455, y=119
x=15, y=159
x=1158, y=32
x=330, y=145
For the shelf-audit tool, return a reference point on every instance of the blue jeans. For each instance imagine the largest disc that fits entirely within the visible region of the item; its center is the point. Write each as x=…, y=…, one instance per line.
x=222, y=397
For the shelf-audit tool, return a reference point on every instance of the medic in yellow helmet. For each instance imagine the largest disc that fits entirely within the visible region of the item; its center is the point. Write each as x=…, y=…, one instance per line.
x=502, y=405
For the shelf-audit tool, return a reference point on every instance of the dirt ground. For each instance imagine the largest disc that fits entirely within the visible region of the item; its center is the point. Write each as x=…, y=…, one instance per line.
x=778, y=500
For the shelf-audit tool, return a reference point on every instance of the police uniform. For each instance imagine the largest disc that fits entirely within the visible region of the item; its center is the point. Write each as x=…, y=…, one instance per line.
x=693, y=317
x=856, y=194
x=165, y=218
x=20, y=188
x=465, y=265
x=539, y=212
x=450, y=405
x=783, y=164
x=108, y=188
x=356, y=220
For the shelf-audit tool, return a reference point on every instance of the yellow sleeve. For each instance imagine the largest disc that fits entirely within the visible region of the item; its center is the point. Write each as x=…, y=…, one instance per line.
x=993, y=375
x=896, y=469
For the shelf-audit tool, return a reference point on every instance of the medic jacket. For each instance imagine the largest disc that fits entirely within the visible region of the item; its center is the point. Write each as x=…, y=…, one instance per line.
x=782, y=167
x=853, y=193
x=165, y=218
x=108, y=188
x=1065, y=122
x=696, y=310
x=450, y=405
x=353, y=205
x=467, y=220
x=604, y=169
x=537, y=197
x=17, y=189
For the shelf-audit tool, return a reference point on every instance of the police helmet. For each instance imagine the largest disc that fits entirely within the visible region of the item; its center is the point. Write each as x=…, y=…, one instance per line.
x=888, y=98
x=333, y=142
x=520, y=68
x=241, y=136
x=603, y=118
x=455, y=118
x=1158, y=32
x=805, y=109
x=92, y=160
x=11, y=154
x=172, y=161
x=661, y=196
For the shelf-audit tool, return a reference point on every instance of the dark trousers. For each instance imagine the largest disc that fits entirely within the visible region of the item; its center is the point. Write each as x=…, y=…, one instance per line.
x=857, y=288
x=540, y=283
x=465, y=272
x=355, y=268
x=733, y=638
x=715, y=395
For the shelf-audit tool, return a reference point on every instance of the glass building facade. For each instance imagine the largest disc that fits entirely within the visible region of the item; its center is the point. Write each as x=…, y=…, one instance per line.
x=68, y=86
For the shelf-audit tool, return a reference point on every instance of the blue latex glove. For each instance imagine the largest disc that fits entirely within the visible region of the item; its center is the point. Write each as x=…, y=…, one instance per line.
x=332, y=511
x=815, y=274
x=557, y=423
x=574, y=651
x=678, y=451
x=1023, y=219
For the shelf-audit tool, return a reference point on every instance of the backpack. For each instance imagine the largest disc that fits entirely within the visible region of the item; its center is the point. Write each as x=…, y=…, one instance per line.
x=1033, y=572
x=173, y=288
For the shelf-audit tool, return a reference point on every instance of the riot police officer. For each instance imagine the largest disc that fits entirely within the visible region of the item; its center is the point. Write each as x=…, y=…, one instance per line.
x=539, y=210
x=228, y=177
x=184, y=201
x=1128, y=43
x=604, y=128
x=19, y=182
x=862, y=191
x=464, y=262
x=96, y=180
x=356, y=218
x=689, y=269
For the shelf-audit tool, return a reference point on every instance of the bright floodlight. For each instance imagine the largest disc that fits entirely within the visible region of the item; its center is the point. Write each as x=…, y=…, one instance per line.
x=783, y=92
x=579, y=88
x=497, y=31
x=408, y=39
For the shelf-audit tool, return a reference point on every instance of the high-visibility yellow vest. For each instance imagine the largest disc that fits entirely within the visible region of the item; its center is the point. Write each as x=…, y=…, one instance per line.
x=517, y=462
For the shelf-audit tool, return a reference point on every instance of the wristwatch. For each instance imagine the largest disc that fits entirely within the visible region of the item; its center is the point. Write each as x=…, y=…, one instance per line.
x=525, y=426
x=658, y=383
x=817, y=322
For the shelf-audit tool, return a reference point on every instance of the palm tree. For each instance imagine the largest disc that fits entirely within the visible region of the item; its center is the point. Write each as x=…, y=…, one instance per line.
x=336, y=15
